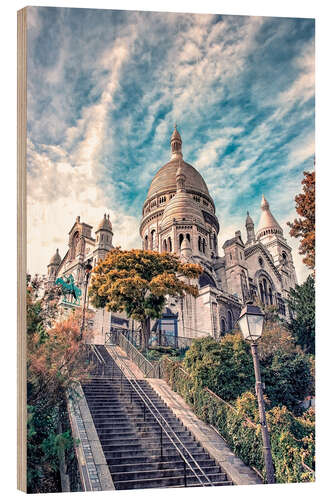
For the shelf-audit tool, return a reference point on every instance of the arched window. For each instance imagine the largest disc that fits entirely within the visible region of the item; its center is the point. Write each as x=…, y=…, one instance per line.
x=229, y=321
x=146, y=242
x=222, y=327
x=270, y=296
x=165, y=248
x=181, y=237
x=188, y=237
x=199, y=243
x=215, y=242
x=261, y=292
x=152, y=239
x=75, y=244
x=204, y=245
x=170, y=244
x=244, y=285
x=265, y=291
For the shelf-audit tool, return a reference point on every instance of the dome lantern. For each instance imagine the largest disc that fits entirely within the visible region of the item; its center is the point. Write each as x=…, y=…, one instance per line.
x=176, y=144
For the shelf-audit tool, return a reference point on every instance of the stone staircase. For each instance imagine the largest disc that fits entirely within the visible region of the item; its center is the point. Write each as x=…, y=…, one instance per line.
x=139, y=454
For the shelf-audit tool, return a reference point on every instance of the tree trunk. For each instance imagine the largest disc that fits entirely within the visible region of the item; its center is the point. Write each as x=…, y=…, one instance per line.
x=145, y=324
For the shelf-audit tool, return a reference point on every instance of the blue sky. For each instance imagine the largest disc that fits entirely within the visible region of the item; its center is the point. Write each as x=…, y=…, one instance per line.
x=105, y=88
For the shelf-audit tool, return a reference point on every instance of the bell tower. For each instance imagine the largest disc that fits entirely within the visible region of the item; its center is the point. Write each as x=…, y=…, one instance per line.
x=104, y=236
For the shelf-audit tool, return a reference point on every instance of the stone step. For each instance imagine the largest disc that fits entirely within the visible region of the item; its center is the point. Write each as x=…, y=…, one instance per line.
x=153, y=454
x=159, y=465
x=165, y=482
x=212, y=472
x=139, y=426
x=124, y=447
x=147, y=441
x=130, y=437
x=130, y=434
x=138, y=419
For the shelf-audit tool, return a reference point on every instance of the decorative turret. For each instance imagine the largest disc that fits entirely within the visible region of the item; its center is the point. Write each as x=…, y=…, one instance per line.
x=54, y=264
x=268, y=224
x=56, y=259
x=249, y=229
x=104, y=236
x=176, y=144
x=105, y=224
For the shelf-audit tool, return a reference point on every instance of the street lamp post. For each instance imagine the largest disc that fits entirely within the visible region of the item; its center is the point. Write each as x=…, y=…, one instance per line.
x=251, y=322
x=87, y=268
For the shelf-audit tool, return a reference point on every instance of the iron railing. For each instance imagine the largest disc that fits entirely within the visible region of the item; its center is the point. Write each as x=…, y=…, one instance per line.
x=149, y=369
x=164, y=426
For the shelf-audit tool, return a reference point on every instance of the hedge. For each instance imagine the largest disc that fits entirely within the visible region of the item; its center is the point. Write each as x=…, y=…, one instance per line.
x=292, y=438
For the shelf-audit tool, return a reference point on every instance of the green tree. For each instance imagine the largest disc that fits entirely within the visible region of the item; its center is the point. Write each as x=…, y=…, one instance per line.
x=138, y=282
x=287, y=378
x=226, y=367
x=304, y=227
x=303, y=315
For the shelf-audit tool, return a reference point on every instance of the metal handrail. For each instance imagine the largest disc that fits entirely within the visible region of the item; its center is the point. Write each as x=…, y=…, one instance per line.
x=135, y=355
x=136, y=389
x=144, y=395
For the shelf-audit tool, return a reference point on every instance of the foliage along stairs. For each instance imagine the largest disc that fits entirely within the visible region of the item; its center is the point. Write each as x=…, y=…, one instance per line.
x=137, y=449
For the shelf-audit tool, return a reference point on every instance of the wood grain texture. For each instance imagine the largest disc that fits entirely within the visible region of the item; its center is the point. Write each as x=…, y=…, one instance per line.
x=21, y=249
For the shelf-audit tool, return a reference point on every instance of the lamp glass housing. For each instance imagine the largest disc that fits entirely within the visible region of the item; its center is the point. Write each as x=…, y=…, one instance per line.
x=251, y=323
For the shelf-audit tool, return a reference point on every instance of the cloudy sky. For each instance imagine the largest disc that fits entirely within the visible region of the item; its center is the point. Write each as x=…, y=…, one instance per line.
x=105, y=88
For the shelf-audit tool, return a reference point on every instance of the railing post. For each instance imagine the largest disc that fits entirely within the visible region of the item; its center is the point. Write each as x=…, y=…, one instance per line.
x=131, y=394
x=161, y=441
x=185, y=478
x=121, y=383
x=144, y=412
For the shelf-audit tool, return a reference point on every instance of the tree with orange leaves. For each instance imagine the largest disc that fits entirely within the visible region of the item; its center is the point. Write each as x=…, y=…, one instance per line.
x=56, y=362
x=304, y=227
x=138, y=281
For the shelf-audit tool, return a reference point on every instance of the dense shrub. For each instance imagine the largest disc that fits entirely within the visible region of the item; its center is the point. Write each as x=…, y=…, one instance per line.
x=292, y=438
x=226, y=367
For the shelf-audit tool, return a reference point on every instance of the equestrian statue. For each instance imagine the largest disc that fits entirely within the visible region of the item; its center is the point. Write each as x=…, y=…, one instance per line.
x=69, y=288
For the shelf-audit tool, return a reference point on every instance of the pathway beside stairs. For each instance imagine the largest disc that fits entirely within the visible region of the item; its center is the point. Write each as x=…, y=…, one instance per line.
x=205, y=435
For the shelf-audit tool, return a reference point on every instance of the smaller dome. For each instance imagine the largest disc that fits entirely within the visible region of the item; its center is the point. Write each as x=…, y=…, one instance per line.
x=182, y=206
x=105, y=224
x=56, y=259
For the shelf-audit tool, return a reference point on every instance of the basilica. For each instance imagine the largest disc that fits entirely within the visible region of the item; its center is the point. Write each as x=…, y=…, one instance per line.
x=178, y=216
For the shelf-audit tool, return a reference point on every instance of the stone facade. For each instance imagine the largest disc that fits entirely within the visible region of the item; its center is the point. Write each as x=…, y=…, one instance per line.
x=179, y=216
x=82, y=246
